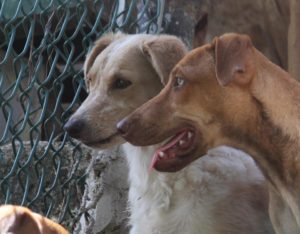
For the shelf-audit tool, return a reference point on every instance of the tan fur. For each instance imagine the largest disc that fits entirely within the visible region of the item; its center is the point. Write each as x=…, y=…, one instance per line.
x=20, y=220
x=234, y=95
x=129, y=59
x=163, y=55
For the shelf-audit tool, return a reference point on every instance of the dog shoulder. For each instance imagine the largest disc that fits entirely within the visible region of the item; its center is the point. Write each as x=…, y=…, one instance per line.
x=226, y=164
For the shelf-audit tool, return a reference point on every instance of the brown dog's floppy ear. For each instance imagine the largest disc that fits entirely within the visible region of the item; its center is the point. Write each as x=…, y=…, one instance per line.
x=233, y=59
x=164, y=52
x=98, y=47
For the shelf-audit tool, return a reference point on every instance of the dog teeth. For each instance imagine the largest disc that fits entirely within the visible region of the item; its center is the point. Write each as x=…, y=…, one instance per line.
x=189, y=135
x=161, y=154
x=181, y=142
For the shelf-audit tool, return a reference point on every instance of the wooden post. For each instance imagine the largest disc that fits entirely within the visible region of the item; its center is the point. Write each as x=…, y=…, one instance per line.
x=294, y=39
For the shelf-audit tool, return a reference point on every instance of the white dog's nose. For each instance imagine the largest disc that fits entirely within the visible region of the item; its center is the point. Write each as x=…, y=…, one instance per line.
x=74, y=127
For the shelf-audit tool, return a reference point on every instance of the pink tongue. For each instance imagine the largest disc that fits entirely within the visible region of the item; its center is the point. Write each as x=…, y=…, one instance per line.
x=173, y=142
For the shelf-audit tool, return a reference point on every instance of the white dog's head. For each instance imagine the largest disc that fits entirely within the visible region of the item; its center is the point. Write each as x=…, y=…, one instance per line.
x=121, y=73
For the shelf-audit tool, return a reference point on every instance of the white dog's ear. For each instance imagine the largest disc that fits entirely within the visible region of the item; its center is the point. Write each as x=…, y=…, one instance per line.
x=98, y=47
x=164, y=52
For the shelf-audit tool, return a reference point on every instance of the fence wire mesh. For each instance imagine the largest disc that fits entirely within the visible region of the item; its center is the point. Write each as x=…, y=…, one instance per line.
x=42, y=48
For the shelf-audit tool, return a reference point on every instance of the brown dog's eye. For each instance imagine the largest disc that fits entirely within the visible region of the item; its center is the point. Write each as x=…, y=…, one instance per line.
x=179, y=81
x=121, y=84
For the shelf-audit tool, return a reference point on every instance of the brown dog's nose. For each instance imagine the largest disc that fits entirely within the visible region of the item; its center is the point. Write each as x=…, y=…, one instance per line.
x=123, y=127
x=74, y=127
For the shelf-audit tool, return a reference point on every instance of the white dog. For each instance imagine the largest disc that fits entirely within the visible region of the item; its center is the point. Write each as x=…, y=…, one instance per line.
x=223, y=192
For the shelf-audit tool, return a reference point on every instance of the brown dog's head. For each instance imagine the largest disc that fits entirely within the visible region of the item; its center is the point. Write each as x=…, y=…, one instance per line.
x=208, y=91
x=121, y=73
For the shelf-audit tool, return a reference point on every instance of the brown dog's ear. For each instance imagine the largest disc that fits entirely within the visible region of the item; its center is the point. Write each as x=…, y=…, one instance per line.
x=233, y=59
x=164, y=52
x=99, y=46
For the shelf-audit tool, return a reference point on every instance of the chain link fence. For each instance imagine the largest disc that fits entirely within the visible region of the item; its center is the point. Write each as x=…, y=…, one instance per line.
x=43, y=44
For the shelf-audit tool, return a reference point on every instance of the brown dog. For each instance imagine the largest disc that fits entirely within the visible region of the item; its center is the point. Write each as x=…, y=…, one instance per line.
x=20, y=220
x=228, y=93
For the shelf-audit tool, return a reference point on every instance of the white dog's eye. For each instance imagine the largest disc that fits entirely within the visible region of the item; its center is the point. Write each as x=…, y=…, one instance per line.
x=121, y=84
x=179, y=81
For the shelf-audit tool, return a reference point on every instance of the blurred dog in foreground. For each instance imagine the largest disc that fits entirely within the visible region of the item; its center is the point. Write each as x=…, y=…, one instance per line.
x=21, y=220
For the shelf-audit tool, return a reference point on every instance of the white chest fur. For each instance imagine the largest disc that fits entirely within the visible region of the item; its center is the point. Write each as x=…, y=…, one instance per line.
x=187, y=201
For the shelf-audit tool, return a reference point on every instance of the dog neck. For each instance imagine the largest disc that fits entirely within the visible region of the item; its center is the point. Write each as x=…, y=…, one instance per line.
x=145, y=183
x=277, y=97
x=273, y=137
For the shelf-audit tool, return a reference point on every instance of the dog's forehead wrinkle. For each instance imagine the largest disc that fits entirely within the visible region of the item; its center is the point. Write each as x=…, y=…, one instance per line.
x=131, y=40
x=114, y=61
x=123, y=47
x=101, y=63
x=123, y=72
x=200, y=65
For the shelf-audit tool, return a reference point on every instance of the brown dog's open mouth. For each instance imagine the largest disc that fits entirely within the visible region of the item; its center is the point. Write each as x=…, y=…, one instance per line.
x=174, y=155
